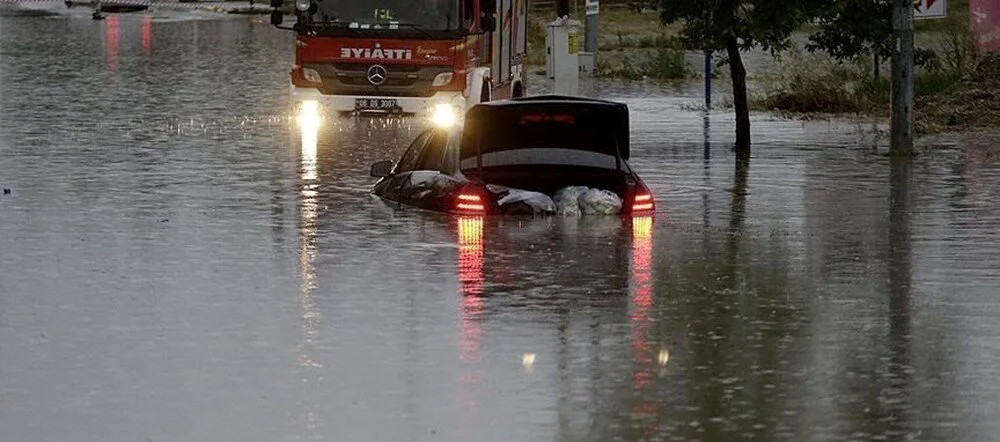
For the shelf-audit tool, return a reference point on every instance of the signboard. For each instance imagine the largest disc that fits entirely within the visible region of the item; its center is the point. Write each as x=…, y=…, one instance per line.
x=985, y=16
x=930, y=9
x=593, y=7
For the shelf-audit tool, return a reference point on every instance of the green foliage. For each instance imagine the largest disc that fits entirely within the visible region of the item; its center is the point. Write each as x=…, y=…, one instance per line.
x=664, y=62
x=624, y=69
x=814, y=84
x=640, y=42
x=808, y=84
x=849, y=29
x=958, y=53
x=661, y=64
x=708, y=24
x=668, y=63
x=971, y=103
x=852, y=28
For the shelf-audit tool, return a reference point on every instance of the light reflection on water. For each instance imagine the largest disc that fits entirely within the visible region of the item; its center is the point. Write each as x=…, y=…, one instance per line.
x=310, y=316
x=112, y=40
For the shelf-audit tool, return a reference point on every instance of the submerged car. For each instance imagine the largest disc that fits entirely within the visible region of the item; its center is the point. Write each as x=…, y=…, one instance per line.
x=532, y=146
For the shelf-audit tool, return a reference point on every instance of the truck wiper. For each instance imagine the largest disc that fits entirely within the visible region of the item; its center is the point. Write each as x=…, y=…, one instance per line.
x=335, y=24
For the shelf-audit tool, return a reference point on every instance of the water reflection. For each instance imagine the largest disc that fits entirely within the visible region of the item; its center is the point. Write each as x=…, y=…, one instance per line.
x=470, y=287
x=642, y=307
x=310, y=318
x=471, y=309
x=896, y=396
x=146, y=31
x=309, y=124
x=112, y=39
x=579, y=275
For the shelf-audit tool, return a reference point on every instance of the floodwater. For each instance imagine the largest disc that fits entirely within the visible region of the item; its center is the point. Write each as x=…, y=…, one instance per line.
x=181, y=260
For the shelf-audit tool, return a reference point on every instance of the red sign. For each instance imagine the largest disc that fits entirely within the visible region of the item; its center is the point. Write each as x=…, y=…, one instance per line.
x=985, y=16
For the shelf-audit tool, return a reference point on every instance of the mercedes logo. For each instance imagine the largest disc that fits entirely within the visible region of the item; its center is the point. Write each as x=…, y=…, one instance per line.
x=377, y=74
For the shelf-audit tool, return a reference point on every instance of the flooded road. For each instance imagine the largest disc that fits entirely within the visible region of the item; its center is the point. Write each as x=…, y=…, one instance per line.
x=182, y=260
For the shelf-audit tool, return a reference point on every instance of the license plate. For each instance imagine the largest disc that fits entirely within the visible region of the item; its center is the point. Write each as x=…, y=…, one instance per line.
x=375, y=104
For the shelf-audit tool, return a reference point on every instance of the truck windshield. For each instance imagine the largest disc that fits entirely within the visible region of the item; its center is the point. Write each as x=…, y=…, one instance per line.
x=423, y=15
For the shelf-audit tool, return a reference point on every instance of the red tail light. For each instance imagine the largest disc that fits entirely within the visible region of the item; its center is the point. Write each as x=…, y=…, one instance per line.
x=643, y=201
x=470, y=202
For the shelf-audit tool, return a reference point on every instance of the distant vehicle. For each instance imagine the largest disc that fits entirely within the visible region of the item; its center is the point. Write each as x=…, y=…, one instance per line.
x=407, y=56
x=537, y=144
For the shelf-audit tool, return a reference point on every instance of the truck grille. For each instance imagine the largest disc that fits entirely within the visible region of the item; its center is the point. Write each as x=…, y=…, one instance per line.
x=401, y=80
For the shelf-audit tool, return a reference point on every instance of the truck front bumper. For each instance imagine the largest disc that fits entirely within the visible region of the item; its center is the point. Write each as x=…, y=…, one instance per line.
x=421, y=106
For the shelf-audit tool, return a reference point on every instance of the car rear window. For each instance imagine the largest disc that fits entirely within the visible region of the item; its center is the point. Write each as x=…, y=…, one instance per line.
x=541, y=138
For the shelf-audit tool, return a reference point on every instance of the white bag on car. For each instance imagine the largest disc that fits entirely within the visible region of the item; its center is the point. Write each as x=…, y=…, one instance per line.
x=568, y=200
x=600, y=202
x=540, y=203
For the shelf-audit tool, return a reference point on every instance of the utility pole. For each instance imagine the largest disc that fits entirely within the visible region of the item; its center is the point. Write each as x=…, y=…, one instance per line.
x=901, y=143
x=593, y=28
x=708, y=79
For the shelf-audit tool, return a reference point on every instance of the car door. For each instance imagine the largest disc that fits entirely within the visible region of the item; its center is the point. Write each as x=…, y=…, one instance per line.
x=390, y=187
x=426, y=185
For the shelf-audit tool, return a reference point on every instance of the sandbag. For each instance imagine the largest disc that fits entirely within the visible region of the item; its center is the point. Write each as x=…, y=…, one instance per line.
x=567, y=200
x=539, y=203
x=600, y=202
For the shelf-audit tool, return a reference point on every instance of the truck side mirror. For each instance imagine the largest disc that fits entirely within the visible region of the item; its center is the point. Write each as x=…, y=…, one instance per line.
x=276, y=4
x=489, y=6
x=277, y=17
x=381, y=169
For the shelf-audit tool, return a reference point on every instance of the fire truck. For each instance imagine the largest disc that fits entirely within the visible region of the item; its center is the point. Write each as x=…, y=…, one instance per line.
x=407, y=56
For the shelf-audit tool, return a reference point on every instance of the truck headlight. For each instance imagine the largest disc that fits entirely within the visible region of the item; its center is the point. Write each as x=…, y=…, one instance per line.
x=443, y=115
x=443, y=79
x=303, y=5
x=311, y=75
x=309, y=114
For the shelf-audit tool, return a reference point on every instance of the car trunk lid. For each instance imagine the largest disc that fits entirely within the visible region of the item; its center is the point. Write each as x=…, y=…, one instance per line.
x=545, y=131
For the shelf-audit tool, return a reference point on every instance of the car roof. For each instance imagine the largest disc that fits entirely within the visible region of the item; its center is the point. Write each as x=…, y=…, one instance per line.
x=611, y=116
x=552, y=99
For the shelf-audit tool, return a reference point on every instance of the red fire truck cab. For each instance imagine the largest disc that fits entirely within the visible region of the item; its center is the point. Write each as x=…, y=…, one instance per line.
x=408, y=56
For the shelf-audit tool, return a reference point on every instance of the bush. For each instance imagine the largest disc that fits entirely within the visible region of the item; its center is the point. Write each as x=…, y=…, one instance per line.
x=665, y=62
x=958, y=50
x=815, y=84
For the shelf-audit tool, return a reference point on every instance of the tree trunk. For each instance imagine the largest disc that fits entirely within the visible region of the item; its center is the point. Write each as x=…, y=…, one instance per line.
x=739, y=74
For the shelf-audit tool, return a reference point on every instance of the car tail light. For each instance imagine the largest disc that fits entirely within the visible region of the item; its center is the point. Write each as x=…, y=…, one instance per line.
x=468, y=202
x=643, y=202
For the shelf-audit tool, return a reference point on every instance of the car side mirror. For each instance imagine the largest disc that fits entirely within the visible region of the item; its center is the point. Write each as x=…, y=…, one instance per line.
x=381, y=169
x=277, y=17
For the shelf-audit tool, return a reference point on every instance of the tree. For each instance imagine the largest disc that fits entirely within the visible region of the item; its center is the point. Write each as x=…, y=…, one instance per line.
x=731, y=26
x=852, y=28
x=849, y=29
